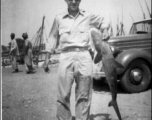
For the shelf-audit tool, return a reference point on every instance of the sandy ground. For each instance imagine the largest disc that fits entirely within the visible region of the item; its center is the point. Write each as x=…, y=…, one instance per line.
x=33, y=97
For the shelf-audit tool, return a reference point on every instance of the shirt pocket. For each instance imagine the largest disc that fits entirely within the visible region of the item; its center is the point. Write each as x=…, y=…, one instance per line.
x=81, y=29
x=62, y=31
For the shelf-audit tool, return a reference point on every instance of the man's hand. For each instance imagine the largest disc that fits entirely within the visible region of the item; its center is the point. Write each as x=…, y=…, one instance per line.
x=105, y=34
x=91, y=51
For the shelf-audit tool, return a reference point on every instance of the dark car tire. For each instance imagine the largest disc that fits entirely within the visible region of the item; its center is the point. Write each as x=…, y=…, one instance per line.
x=129, y=85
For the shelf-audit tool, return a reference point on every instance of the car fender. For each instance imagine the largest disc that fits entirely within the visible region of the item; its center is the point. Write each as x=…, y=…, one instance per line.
x=126, y=56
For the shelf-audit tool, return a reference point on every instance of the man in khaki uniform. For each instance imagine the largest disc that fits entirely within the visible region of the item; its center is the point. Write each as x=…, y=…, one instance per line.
x=14, y=52
x=71, y=30
x=27, y=50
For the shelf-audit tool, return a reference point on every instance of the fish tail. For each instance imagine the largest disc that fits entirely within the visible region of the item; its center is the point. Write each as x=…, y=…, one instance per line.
x=115, y=105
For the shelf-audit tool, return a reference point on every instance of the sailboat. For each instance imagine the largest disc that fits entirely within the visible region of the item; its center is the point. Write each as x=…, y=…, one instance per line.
x=38, y=42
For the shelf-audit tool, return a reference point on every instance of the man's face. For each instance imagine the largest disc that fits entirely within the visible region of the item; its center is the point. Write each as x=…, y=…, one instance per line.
x=73, y=5
x=12, y=37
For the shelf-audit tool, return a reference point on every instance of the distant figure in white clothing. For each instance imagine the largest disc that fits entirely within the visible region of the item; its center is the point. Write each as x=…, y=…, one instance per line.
x=27, y=50
x=14, y=52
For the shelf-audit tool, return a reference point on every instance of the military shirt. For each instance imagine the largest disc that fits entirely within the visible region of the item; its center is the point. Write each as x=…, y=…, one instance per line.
x=68, y=31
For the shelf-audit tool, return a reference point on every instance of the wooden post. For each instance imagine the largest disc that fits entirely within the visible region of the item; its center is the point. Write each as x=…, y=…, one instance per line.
x=3, y=64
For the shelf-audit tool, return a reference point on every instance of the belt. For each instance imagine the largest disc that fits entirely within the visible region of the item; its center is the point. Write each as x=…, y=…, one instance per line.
x=76, y=49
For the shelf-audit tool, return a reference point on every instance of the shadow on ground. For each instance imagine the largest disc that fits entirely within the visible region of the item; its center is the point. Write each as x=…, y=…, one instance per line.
x=17, y=72
x=102, y=116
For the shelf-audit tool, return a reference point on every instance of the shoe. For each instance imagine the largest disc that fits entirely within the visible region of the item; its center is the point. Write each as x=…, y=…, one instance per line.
x=30, y=71
x=15, y=71
x=27, y=72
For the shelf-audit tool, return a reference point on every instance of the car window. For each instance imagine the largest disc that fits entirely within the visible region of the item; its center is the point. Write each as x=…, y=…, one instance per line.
x=143, y=27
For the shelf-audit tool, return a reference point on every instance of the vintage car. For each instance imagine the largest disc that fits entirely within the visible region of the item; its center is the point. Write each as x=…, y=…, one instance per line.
x=133, y=51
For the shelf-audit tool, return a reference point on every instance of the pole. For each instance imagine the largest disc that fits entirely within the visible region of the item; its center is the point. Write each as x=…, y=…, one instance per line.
x=111, y=29
x=41, y=35
x=122, y=29
x=142, y=10
x=148, y=10
x=117, y=34
x=131, y=17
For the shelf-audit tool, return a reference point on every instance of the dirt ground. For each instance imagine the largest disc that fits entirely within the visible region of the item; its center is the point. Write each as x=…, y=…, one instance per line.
x=33, y=97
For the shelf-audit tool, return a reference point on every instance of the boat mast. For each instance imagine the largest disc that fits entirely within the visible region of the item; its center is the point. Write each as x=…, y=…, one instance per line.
x=41, y=37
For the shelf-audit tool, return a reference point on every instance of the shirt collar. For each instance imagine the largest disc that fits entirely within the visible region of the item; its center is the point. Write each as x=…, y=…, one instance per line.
x=66, y=13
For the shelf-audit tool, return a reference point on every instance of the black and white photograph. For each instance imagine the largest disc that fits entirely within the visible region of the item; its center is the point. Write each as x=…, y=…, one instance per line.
x=76, y=60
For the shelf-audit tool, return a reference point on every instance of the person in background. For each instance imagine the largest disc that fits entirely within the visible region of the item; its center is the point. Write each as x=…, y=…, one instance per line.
x=14, y=52
x=27, y=52
x=71, y=30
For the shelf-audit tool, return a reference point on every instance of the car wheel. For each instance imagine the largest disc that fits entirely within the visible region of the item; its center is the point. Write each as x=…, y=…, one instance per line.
x=137, y=77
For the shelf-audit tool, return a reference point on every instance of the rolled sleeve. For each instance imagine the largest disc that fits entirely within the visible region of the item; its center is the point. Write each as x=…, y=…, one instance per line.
x=53, y=38
x=99, y=22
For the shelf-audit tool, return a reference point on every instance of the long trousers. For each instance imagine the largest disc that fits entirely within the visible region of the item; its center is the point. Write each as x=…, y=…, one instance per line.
x=74, y=66
x=14, y=62
x=28, y=61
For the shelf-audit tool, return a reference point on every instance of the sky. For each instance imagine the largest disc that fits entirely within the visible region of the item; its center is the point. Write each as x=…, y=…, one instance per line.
x=19, y=16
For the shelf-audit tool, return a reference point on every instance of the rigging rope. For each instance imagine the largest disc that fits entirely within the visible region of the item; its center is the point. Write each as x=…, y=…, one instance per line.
x=46, y=35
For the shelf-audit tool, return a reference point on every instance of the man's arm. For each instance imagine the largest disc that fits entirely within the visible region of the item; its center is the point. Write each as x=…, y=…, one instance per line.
x=99, y=22
x=51, y=44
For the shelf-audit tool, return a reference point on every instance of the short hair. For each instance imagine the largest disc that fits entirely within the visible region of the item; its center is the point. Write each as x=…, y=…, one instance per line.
x=24, y=35
x=12, y=35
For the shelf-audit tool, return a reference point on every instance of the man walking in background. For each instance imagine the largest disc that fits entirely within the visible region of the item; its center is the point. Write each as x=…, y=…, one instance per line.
x=27, y=51
x=71, y=30
x=14, y=52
